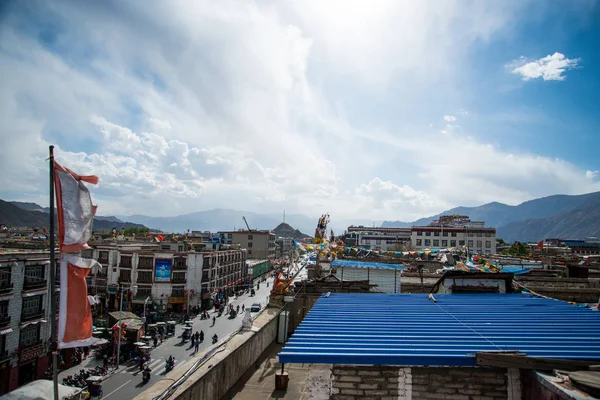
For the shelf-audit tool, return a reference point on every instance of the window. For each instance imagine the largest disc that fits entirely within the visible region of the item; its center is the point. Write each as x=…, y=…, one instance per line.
x=436, y=243
x=145, y=262
x=3, y=309
x=419, y=233
x=427, y=233
x=453, y=243
x=470, y=234
x=427, y=242
x=487, y=234
x=419, y=242
x=249, y=245
x=479, y=244
x=250, y=237
x=444, y=243
x=453, y=234
x=478, y=234
x=488, y=244
x=144, y=291
x=180, y=248
x=178, y=276
x=470, y=243
x=32, y=306
x=436, y=233
x=144, y=276
x=165, y=247
x=126, y=262
x=34, y=276
x=30, y=335
x=5, y=274
x=461, y=242
x=177, y=291
x=378, y=241
x=103, y=256
x=125, y=275
x=444, y=233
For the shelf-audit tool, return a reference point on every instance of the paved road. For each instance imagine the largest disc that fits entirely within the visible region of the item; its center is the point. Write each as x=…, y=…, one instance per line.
x=126, y=383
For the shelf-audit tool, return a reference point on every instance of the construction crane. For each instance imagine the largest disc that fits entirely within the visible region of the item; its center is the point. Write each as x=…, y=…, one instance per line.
x=248, y=226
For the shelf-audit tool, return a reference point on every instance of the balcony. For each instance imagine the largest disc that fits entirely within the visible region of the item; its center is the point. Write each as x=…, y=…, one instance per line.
x=32, y=315
x=6, y=288
x=31, y=284
x=4, y=321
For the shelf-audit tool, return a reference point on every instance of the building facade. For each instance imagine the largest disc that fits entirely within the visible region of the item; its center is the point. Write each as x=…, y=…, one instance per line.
x=377, y=238
x=259, y=244
x=25, y=318
x=161, y=275
x=452, y=231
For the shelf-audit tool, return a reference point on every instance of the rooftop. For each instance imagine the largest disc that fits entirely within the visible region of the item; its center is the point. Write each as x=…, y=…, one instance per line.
x=365, y=264
x=412, y=330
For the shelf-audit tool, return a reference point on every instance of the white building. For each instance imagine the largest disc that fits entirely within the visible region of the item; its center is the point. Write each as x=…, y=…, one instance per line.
x=387, y=277
x=455, y=231
x=377, y=238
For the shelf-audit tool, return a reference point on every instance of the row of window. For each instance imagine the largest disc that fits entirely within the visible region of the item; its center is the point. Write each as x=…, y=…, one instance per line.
x=436, y=243
x=453, y=234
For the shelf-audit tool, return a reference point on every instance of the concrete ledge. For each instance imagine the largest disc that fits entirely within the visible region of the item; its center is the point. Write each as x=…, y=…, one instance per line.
x=213, y=380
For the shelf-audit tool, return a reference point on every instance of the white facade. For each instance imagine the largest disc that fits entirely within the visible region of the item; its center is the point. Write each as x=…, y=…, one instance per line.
x=476, y=240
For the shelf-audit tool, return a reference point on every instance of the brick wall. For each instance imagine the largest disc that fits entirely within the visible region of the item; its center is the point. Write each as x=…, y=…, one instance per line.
x=364, y=382
x=395, y=383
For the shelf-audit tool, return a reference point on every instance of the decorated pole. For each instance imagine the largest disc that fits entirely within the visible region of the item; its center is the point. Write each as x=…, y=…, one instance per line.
x=53, y=310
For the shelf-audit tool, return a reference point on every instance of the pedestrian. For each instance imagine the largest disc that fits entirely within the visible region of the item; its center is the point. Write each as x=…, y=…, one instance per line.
x=243, y=307
x=155, y=341
x=197, y=346
x=197, y=335
x=105, y=362
x=214, y=320
x=201, y=336
x=161, y=337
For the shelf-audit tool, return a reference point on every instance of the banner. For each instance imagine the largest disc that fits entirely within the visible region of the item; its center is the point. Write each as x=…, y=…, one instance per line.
x=162, y=272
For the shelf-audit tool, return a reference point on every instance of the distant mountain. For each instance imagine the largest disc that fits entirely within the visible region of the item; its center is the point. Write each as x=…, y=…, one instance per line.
x=226, y=219
x=285, y=230
x=563, y=210
x=577, y=224
x=32, y=215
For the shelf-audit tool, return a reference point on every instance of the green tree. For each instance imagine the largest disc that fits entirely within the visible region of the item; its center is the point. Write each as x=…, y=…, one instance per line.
x=137, y=231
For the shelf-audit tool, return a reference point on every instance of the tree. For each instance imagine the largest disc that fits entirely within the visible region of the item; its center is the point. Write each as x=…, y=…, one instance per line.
x=137, y=231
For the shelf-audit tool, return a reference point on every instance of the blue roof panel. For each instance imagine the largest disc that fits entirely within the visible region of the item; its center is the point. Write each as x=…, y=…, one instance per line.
x=365, y=264
x=411, y=330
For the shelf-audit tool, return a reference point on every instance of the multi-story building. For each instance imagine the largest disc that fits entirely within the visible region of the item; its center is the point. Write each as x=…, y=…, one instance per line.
x=167, y=277
x=259, y=244
x=284, y=246
x=455, y=231
x=377, y=238
x=25, y=318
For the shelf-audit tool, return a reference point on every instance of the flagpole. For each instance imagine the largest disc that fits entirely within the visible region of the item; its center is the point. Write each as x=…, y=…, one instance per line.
x=53, y=310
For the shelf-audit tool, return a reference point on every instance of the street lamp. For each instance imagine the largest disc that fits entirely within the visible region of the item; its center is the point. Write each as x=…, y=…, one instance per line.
x=121, y=289
x=145, y=323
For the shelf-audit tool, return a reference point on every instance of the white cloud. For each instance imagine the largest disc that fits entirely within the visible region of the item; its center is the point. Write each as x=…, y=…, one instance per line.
x=591, y=174
x=549, y=68
x=182, y=107
x=449, y=118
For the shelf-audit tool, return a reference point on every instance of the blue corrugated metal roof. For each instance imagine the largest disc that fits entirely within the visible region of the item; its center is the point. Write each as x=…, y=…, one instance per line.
x=409, y=329
x=364, y=264
x=515, y=269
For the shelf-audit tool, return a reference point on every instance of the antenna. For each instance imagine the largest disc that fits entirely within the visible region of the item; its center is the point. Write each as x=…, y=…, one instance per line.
x=284, y=215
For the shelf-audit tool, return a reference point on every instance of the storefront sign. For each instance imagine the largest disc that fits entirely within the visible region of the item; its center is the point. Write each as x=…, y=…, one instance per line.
x=177, y=300
x=31, y=353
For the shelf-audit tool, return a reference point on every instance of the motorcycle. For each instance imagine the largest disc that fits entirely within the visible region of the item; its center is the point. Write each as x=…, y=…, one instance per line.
x=215, y=339
x=146, y=376
x=169, y=365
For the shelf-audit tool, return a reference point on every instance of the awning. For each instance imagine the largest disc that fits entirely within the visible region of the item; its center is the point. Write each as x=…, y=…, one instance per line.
x=34, y=322
x=35, y=293
x=5, y=331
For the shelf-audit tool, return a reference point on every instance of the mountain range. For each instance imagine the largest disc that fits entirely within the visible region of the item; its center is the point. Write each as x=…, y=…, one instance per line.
x=558, y=216
x=32, y=215
x=285, y=230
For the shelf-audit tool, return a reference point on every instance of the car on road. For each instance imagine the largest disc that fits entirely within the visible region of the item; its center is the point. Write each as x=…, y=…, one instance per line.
x=255, y=307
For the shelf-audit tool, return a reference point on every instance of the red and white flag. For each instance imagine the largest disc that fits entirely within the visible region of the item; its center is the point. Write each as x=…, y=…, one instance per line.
x=75, y=314
x=74, y=208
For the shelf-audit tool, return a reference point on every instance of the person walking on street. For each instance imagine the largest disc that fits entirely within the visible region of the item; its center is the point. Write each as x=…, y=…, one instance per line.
x=155, y=341
x=214, y=320
x=201, y=336
x=197, y=345
x=197, y=335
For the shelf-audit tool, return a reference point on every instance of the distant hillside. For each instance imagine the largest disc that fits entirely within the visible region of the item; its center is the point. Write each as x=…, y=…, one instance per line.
x=285, y=230
x=578, y=224
x=31, y=215
x=522, y=222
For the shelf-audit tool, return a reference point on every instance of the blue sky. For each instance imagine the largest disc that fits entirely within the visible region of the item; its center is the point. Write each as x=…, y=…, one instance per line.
x=385, y=110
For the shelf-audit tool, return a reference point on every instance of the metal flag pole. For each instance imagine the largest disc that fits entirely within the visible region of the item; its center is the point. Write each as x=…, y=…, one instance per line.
x=53, y=310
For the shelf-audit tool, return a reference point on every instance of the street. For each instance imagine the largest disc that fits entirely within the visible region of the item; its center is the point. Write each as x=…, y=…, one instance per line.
x=126, y=383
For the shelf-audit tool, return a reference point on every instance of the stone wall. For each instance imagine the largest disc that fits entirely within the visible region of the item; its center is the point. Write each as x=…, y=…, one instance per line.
x=396, y=383
x=214, y=379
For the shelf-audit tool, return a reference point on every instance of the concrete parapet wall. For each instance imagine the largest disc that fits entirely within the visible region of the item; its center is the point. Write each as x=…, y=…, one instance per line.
x=213, y=380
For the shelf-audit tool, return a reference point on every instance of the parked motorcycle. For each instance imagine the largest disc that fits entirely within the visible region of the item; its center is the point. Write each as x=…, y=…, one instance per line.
x=146, y=375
